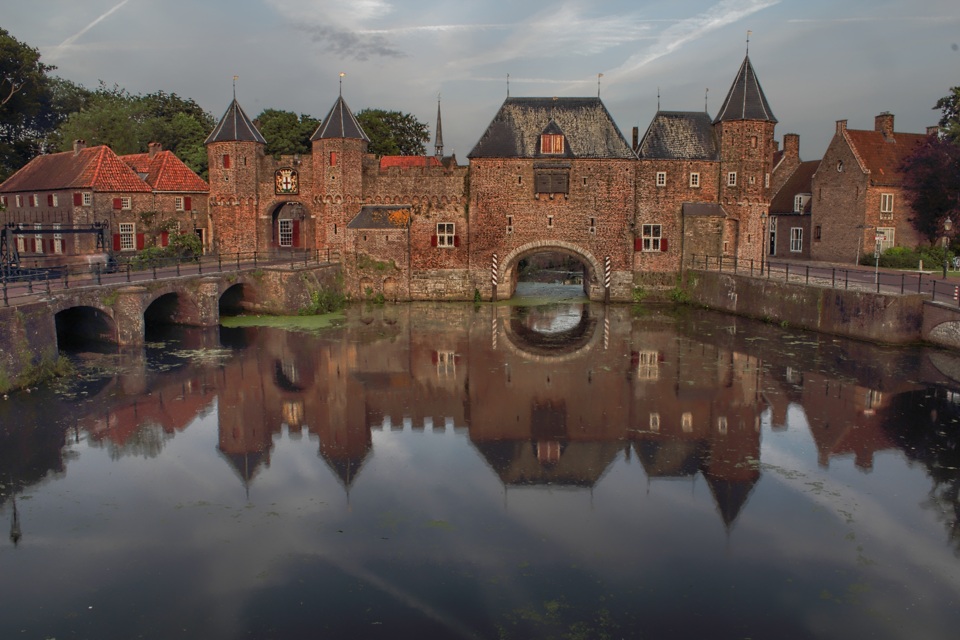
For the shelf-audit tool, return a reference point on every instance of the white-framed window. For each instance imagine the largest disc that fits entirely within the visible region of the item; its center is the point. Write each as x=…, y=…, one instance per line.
x=654, y=421
x=648, y=365
x=446, y=232
x=686, y=422
x=800, y=202
x=722, y=425
x=57, y=239
x=446, y=363
x=766, y=180
x=886, y=206
x=178, y=203
x=34, y=200
x=888, y=238
x=19, y=200
x=128, y=236
x=38, y=239
x=731, y=178
x=285, y=229
x=796, y=239
x=661, y=178
x=87, y=198
x=21, y=244
x=695, y=180
x=55, y=200
x=126, y=203
x=651, y=235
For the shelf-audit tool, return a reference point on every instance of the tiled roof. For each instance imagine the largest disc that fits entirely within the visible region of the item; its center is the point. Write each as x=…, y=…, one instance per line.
x=679, y=135
x=166, y=172
x=880, y=156
x=340, y=123
x=745, y=101
x=406, y=162
x=381, y=217
x=586, y=124
x=95, y=168
x=800, y=181
x=235, y=126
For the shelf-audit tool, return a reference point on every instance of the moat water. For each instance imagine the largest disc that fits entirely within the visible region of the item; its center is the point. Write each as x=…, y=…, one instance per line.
x=558, y=470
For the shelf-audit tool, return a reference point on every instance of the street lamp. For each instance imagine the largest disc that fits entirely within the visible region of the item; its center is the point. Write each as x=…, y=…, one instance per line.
x=947, y=225
x=763, y=240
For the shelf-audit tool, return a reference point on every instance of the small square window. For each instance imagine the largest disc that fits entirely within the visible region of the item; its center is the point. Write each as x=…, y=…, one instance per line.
x=731, y=179
x=695, y=180
x=178, y=203
x=87, y=198
x=446, y=234
x=651, y=236
x=661, y=178
x=126, y=203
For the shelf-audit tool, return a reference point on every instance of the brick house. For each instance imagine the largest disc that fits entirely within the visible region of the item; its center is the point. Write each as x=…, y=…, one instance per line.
x=788, y=226
x=72, y=207
x=857, y=193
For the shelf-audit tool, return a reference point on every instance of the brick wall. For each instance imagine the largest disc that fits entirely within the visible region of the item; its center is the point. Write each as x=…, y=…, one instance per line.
x=838, y=207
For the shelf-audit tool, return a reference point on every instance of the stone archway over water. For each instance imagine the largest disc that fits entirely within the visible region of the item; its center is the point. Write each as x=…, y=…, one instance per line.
x=591, y=278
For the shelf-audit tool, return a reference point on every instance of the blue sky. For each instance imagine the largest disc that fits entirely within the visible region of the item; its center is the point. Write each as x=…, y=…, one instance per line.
x=818, y=61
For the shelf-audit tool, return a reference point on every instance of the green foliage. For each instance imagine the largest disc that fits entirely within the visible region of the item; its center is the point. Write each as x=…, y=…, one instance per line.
x=949, y=107
x=366, y=262
x=34, y=374
x=476, y=296
x=324, y=301
x=285, y=133
x=931, y=177
x=639, y=294
x=905, y=258
x=393, y=133
x=680, y=295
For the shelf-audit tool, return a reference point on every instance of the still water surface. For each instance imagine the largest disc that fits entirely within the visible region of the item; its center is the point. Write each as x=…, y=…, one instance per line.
x=451, y=471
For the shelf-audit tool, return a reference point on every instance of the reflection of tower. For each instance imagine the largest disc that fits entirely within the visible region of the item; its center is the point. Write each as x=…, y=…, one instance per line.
x=15, y=533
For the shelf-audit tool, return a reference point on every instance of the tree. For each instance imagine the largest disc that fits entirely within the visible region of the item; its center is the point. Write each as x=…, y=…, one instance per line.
x=393, y=133
x=949, y=107
x=284, y=132
x=931, y=176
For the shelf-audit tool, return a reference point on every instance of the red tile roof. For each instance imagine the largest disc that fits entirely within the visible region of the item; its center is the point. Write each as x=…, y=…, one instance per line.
x=166, y=172
x=406, y=162
x=96, y=168
x=882, y=157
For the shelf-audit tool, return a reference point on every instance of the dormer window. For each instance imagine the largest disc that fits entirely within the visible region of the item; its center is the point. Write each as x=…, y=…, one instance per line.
x=551, y=143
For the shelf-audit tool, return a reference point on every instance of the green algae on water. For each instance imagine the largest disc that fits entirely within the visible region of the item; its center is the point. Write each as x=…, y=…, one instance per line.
x=293, y=323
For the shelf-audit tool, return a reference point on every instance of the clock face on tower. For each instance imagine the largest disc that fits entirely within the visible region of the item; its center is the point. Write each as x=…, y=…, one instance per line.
x=286, y=181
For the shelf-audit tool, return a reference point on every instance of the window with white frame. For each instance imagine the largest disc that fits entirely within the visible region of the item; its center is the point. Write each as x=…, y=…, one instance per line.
x=38, y=239
x=886, y=206
x=128, y=236
x=445, y=234
x=796, y=239
x=887, y=237
x=648, y=365
x=686, y=422
x=800, y=202
x=285, y=229
x=57, y=239
x=661, y=178
x=54, y=200
x=21, y=244
x=19, y=200
x=87, y=198
x=722, y=424
x=125, y=203
x=446, y=363
x=34, y=200
x=651, y=235
x=654, y=421
x=695, y=180
x=731, y=178
x=178, y=203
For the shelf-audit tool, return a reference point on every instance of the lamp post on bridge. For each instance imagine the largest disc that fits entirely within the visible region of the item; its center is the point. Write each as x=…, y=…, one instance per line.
x=947, y=226
x=763, y=240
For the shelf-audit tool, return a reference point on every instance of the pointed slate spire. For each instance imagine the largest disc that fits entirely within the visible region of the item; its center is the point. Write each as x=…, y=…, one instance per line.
x=235, y=126
x=745, y=100
x=340, y=123
x=438, y=145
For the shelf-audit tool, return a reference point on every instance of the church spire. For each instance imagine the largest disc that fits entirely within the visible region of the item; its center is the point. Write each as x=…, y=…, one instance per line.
x=438, y=144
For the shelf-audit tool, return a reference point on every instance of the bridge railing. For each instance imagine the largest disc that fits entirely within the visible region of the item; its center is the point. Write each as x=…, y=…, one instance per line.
x=862, y=279
x=19, y=283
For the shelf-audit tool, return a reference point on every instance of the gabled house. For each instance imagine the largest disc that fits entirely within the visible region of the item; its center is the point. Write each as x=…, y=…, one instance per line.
x=788, y=226
x=857, y=194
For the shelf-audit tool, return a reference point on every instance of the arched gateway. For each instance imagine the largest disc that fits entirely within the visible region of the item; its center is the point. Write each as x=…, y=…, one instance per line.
x=507, y=268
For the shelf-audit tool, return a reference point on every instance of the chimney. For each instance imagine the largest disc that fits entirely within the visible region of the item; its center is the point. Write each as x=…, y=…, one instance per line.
x=636, y=137
x=884, y=124
x=154, y=148
x=776, y=146
x=79, y=145
x=841, y=126
x=791, y=146
x=933, y=131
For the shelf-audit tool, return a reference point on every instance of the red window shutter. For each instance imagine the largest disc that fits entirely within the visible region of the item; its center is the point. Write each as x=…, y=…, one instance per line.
x=77, y=199
x=638, y=244
x=226, y=162
x=434, y=358
x=49, y=199
x=663, y=244
x=117, y=203
x=116, y=242
x=296, y=233
x=33, y=245
x=333, y=158
x=188, y=204
x=433, y=240
x=164, y=238
x=456, y=241
x=141, y=242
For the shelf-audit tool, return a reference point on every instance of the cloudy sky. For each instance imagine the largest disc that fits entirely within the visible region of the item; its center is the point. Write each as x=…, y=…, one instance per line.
x=818, y=60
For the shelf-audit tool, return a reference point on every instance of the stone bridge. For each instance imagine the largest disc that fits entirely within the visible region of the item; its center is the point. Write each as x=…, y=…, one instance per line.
x=33, y=332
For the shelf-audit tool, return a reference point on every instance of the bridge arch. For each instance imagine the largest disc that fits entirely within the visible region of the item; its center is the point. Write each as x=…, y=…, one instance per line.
x=592, y=287
x=172, y=307
x=82, y=324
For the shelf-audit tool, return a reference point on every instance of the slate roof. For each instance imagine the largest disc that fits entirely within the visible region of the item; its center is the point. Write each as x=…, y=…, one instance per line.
x=95, y=168
x=166, y=172
x=235, y=126
x=585, y=122
x=340, y=123
x=800, y=181
x=379, y=217
x=745, y=101
x=679, y=135
x=880, y=156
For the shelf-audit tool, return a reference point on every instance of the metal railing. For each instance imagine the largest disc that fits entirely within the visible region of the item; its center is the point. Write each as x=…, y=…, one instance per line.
x=864, y=279
x=20, y=283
